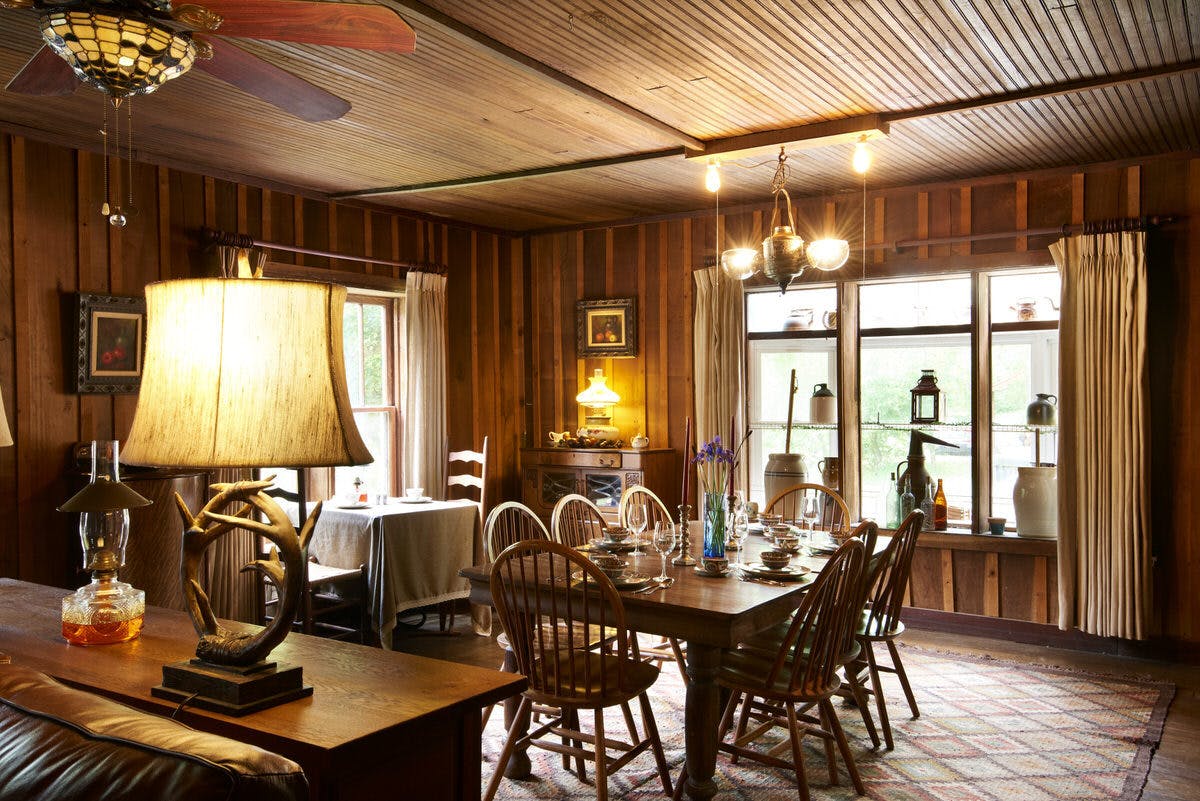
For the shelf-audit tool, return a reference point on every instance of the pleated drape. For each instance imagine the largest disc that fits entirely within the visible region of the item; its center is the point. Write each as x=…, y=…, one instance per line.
x=1104, y=545
x=424, y=446
x=718, y=340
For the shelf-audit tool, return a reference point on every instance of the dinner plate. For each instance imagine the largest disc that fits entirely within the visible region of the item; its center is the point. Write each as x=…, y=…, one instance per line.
x=789, y=573
x=422, y=499
x=355, y=505
x=613, y=547
x=628, y=581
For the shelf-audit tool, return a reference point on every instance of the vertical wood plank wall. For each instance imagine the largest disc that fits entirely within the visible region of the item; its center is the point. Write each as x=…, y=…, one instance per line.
x=54, y=243
x=654, y=261
x=513, y=374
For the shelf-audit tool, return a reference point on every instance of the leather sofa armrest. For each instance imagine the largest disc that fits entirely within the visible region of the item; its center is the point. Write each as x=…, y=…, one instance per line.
x=57, y=742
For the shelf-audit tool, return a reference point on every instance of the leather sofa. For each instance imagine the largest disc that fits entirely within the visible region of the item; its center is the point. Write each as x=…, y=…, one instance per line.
x=57, y=742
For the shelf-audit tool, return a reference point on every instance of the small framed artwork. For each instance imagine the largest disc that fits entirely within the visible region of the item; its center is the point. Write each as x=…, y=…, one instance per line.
x=606, y=327
x=111, y=335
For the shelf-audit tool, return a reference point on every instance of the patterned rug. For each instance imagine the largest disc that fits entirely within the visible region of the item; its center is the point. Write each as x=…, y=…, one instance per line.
x=989, y=730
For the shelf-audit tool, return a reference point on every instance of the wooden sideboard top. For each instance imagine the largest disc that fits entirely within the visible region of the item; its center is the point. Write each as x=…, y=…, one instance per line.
x=362, y=696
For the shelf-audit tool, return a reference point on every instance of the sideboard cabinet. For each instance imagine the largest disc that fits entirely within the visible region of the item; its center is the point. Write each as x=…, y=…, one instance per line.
x=600, y=475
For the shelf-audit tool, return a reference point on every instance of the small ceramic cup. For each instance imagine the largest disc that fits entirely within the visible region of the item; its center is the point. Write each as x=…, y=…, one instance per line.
x=714, y=565
x=414, y=492
x=996, y=525
x=610, y=565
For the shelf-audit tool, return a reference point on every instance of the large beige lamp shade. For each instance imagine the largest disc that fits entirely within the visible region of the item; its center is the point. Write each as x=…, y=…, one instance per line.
x=244, y=373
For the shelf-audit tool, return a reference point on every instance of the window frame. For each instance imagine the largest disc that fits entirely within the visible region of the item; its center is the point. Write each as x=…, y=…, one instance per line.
x=848, y=356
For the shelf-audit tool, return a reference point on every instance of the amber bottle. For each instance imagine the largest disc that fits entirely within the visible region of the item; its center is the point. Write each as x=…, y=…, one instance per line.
x=939, y=508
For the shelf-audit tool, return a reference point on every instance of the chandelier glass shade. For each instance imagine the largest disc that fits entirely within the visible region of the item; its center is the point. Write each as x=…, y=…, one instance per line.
x=785, y=255
x=118, y=55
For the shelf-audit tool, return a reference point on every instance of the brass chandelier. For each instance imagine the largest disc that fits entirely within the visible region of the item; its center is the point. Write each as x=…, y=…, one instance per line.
x=784, y=255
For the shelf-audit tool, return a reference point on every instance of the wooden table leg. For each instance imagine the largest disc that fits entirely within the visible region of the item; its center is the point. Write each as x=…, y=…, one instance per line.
x=701, y=712
x=518, y=766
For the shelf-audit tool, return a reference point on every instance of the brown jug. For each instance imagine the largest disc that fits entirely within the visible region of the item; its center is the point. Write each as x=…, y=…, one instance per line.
x=831, y=472
x=1043, y=411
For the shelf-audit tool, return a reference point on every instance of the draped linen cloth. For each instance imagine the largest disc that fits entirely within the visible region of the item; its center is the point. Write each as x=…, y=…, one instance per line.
x=1104, y=544
x=718, y=342
x=424, y=446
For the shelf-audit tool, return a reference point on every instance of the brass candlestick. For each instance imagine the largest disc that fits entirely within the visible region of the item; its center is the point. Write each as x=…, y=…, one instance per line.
x=685, y=544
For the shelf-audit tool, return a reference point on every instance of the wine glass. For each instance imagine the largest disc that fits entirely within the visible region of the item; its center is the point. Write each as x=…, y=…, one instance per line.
x=810, y=513
x=664, y=543
x=635, y=518
x=737, y=535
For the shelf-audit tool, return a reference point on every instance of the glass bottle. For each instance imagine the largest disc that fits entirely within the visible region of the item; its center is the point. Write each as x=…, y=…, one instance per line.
x=908, y=501
x=939, y=508
x=892, y=512
x=927, y=506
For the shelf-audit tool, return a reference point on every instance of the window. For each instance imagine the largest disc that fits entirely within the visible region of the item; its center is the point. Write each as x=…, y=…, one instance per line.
x=906, y=326
x=368, y=336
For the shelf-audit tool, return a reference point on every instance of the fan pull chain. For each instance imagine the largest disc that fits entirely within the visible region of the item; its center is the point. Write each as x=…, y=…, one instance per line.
x=129, y=154
x=117, y=217
x=105, y=208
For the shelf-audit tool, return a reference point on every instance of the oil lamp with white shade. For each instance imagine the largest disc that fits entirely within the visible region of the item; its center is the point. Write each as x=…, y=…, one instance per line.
x=597, y=401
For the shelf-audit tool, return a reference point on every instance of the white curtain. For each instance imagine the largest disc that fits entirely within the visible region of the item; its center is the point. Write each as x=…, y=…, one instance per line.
x=718, y=340
x=424, y=463
x=1104, y=557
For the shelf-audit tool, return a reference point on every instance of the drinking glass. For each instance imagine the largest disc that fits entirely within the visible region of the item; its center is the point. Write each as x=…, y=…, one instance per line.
x=664, y=543
x=737, y=537
x=810, y=513
x=636, y=518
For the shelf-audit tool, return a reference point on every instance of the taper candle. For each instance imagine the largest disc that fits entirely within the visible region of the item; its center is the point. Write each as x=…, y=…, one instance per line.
x=687, y=462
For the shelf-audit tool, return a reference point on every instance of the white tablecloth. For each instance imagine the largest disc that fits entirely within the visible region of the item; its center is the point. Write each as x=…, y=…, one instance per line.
x=412, y=553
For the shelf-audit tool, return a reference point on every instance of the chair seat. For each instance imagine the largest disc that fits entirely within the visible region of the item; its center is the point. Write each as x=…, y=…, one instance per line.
x=319, y=573
x=746, y=670
x=574, y=633
x=580, y=673
x=873, y=629
x=767, y=642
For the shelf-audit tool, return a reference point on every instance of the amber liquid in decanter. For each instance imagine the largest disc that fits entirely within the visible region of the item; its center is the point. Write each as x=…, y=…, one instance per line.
x=102, y=633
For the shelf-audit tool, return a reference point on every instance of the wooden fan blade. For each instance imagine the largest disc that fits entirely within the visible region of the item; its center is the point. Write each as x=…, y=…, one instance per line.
x=358, y=25
x=281, y=89
x=44, y=74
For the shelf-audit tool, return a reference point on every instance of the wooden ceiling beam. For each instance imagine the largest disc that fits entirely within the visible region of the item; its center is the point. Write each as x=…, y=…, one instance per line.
x=415, y=9
x=515, y=175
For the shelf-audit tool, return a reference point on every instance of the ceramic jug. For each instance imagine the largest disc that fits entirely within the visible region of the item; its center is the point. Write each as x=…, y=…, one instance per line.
x=1035, y=498
x=822, y=406
x=1043, y=411
x=831, y=472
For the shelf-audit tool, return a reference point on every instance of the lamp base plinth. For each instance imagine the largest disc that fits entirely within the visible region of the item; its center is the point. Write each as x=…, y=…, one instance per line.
x=232, y=690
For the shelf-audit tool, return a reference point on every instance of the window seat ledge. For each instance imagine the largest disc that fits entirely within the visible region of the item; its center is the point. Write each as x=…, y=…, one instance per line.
x=968, y=541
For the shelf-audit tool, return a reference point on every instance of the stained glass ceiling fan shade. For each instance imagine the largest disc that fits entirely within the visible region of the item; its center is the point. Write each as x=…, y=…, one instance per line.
x=118, y=55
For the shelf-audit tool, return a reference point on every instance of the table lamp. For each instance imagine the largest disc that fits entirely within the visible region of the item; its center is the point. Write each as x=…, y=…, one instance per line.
x=106, y=610
x=243, y=372
x=598, y=401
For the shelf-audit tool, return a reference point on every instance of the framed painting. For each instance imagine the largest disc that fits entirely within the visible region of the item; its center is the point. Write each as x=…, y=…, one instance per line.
x=606, y=328
x=111, y=337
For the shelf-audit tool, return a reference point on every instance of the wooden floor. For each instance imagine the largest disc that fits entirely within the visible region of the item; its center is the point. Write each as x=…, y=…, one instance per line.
x=1174, y=772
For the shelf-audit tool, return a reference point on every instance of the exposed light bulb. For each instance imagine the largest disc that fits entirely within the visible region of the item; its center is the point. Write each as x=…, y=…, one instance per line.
x=712, y=176
x=740, y=263
x=862, y=157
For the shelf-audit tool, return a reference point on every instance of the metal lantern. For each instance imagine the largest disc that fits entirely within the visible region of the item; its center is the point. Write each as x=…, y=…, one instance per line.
x=926, y=399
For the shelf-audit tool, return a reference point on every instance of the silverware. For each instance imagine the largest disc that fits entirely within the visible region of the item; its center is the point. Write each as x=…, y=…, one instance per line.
x=657, y=585
x=755, y=579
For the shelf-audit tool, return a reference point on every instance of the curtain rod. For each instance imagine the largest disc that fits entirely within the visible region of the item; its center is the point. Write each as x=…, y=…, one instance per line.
x=1113, y=225
x=212, y=236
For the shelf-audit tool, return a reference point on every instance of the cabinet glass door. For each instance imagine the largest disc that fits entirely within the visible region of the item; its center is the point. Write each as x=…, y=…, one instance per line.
x=556, y=484
x=603, y=489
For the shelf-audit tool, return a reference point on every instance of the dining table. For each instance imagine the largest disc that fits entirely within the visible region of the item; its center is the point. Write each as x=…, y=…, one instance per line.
x=711, y=613
x=412, y=552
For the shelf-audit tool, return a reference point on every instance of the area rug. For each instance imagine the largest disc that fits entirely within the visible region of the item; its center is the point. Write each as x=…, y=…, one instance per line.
x=990, y=730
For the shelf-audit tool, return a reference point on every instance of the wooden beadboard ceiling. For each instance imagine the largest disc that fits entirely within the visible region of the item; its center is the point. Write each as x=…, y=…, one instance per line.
x=712, y=70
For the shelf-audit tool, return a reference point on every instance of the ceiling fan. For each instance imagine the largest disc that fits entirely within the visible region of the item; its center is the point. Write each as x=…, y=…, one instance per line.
x=127, y=47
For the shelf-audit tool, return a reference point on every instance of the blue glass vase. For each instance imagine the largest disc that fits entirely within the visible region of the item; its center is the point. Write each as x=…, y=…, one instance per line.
x=714, y=524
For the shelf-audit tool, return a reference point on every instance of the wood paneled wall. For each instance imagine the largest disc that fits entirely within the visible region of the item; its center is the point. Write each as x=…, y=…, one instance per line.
x=54, y=242
x=654, y=260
